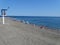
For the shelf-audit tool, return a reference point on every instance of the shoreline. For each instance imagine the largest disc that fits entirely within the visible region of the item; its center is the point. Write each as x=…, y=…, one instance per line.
x=14, y=19
x=27, y=22
x=17, y=33
x=44, y=27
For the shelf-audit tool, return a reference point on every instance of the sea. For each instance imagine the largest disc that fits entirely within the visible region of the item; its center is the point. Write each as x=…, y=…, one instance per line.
x=50, y=22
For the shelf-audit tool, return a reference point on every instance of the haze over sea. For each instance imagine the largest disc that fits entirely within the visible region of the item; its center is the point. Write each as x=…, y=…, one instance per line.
x=50, y=22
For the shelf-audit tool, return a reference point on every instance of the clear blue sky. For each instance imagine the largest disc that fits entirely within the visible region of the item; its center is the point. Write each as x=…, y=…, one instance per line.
x=32, y=7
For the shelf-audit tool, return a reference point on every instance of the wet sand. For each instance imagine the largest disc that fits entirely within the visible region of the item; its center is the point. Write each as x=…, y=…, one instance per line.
x=18, y=33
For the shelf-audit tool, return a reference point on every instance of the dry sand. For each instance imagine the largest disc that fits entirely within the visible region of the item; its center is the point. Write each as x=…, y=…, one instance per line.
x=17, y=33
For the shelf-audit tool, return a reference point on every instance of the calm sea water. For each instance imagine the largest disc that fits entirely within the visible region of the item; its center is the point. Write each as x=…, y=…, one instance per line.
x=51, y=22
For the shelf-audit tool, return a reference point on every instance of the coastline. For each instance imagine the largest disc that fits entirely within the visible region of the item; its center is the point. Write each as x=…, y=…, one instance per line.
x=45, y=27
x=27, y=34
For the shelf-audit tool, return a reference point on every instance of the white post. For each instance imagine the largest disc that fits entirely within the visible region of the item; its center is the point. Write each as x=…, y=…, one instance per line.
x=3, y=20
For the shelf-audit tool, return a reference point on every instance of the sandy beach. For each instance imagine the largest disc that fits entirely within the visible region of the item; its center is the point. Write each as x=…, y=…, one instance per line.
x=18, y=33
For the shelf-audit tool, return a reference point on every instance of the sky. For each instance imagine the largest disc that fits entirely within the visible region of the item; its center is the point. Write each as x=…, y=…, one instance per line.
x=31, y=7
